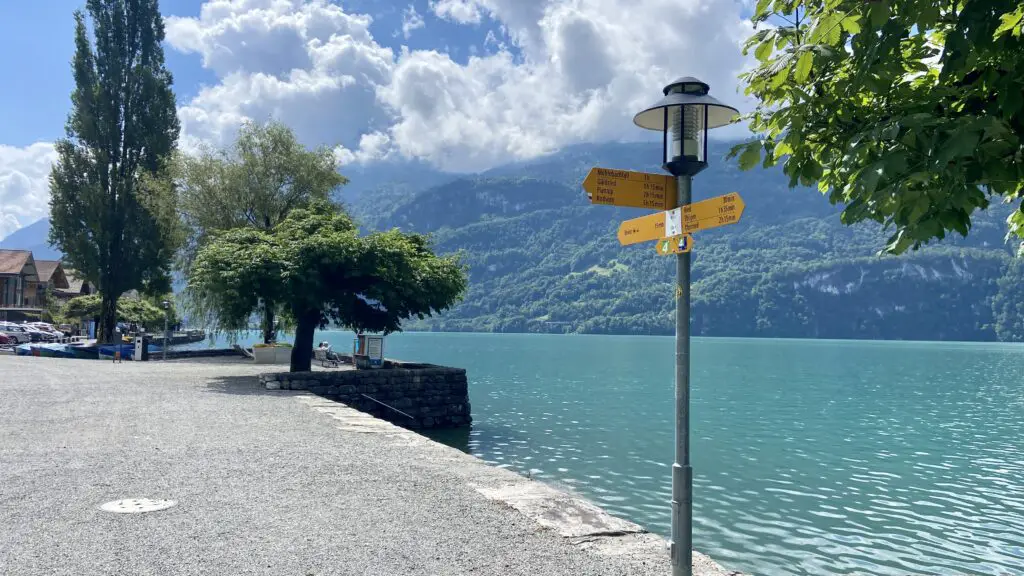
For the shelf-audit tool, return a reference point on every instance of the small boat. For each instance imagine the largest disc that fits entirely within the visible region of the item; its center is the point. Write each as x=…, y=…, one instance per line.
x=55, y=351
x=85, y=351
x=107, y=351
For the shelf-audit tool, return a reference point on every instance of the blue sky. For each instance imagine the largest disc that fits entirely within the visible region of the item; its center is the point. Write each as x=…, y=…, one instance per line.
x=461, y=84
x=35, y=110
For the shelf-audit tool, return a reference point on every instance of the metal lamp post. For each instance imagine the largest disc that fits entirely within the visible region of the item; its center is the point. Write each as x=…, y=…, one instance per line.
x=684, y=116
x=167, y=309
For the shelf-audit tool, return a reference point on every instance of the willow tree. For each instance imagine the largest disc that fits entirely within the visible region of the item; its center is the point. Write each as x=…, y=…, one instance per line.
x=253, y=184
x=111, y=206
x=909, y=113
x=325, y=274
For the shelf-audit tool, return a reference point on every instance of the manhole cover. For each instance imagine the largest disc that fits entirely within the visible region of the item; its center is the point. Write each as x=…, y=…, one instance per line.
x=137, y=505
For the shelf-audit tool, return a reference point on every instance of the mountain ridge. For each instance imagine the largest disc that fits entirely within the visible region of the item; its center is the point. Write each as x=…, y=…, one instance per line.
x=542, y=259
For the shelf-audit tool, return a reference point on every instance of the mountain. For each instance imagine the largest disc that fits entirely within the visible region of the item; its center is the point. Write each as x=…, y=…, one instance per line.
x=32, y=237
x=542, y=259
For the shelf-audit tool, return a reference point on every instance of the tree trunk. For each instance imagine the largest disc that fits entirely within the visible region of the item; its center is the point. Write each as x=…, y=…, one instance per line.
x=108, y=318
x=269, y=332
x=302, y=353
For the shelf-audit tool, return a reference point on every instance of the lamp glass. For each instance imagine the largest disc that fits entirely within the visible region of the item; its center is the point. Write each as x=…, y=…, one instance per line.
x=686, y=125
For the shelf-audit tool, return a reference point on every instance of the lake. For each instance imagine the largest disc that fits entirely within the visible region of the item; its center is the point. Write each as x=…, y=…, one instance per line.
x=810, y=457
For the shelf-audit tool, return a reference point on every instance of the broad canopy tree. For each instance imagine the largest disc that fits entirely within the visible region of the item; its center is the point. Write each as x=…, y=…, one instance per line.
x=255, y=184
x=146, y=312
x=111, y=204
x=909, y=113
x=325, y=273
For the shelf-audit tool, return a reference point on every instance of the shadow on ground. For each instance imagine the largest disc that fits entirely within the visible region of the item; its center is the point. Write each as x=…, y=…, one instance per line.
x=242, y=386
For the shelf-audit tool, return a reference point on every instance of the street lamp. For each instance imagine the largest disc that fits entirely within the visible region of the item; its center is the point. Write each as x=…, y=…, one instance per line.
x=167, y=310
x=688, y=112
x=684, y=116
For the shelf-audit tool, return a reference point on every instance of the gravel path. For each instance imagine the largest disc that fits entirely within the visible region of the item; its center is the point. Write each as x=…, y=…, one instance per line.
x=279, y=483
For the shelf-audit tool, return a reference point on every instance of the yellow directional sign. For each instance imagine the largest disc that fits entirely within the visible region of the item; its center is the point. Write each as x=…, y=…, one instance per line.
x=703, y=215
x=674, y=245
x=642, y=229
x=712, y=213
x=626, y=188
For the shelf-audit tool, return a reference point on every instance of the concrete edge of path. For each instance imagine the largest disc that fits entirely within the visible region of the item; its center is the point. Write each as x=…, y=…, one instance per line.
x=566, y=514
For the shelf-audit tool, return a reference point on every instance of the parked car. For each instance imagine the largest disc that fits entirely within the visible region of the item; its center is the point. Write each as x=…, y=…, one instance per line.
x=20, y=335
x=48, y=329
x=6, y=340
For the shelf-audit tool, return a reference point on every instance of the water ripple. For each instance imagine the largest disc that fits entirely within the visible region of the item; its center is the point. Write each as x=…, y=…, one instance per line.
x=810, y=457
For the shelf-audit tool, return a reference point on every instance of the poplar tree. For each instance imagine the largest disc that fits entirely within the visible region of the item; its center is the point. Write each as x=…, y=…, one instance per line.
x=112, y=205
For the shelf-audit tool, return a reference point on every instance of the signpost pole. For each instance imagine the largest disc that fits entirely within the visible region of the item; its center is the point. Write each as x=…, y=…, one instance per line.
x=682, y=472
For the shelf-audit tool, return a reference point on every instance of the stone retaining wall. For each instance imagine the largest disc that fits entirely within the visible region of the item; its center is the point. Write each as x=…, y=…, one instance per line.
x=411, y=395
x=202, y=353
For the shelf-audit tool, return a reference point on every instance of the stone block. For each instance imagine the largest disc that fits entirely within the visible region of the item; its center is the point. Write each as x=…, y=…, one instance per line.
x=272, y=385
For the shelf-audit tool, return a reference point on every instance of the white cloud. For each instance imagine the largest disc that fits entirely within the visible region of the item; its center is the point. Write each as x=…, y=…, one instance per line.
x=582, y=69
x=323, y=84
x=373, y=146
x=551, y=73
x=24, y=185
x=460, y=11
x=411, y=20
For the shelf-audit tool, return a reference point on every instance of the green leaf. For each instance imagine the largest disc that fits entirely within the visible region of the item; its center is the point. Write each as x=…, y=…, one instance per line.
x=1010, y=22
x=878, y=13
x=852, y=24
x=762, y=7
x=779, y=78
x=763, y=50
x=961, y=143
x=750, y=157
x=803, y=67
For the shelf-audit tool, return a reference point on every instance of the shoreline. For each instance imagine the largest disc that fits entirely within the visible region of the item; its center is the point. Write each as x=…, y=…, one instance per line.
x=553, y=507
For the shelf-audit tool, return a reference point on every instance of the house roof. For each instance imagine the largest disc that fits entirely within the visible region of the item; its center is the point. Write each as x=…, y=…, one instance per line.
x=13, y=261
x=46, y=268
x=74, y=283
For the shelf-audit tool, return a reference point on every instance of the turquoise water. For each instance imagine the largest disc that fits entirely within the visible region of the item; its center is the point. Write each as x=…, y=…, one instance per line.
x=810, y=457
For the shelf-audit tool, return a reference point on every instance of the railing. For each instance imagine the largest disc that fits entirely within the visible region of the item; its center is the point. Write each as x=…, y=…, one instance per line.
x=22, y=306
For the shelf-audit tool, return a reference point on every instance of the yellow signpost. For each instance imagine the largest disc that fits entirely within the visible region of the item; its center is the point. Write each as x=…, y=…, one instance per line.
x=703, y=215
x=675, y=245
x=633, y=189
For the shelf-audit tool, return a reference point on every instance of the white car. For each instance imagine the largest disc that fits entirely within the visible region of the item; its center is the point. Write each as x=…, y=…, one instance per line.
x=48, y=329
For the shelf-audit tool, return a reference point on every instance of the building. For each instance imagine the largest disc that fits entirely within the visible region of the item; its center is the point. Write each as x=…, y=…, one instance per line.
x=52, y=279
x=76, y=286
x=19, y=286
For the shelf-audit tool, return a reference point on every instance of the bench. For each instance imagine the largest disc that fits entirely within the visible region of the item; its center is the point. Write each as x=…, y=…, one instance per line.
x=320, y=355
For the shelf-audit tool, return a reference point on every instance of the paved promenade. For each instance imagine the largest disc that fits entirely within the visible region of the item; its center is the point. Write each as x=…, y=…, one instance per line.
x=266, y=482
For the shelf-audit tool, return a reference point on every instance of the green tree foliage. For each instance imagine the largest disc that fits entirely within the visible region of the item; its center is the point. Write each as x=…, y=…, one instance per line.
x=255, y=184
x=1008, y=303
x=112, y=207
x=909, y=113
x=144, y=311
x=315, y=262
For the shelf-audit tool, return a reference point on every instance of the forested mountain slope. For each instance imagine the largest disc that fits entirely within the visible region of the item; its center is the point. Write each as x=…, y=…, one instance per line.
x=543, y=260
